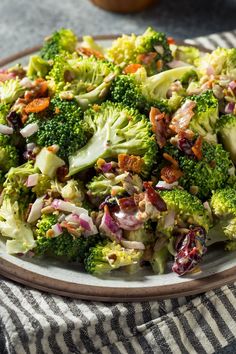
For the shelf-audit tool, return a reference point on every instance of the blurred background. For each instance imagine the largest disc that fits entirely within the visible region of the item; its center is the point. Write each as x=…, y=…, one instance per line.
x=25, y=23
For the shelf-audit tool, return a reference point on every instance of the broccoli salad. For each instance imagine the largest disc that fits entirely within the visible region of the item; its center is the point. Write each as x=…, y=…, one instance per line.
x=119, y=157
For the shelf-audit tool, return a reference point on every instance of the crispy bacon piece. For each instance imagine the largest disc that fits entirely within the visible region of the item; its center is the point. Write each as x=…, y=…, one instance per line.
x=159, y=127
x=90, y=52
x=171, y=174
x=154, y=197
x=127, y=204
x=37, y=105
x=130, y=163
x=171, y=160
x=170, y=40
x=197, y=148
x=146, y=58
x=182, y=117
x=40, y=89
x=132, y=68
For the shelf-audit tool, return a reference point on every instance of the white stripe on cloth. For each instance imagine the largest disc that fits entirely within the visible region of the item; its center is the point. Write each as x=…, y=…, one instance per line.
x=37, y=323
x=224, y=39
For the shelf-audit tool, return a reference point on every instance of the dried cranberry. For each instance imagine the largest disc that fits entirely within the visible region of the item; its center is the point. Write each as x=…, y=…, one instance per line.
x=14, y=119
x=62, y=173
x=190, y=250
x=29, y=155
x=154, y=197
x=186, y=145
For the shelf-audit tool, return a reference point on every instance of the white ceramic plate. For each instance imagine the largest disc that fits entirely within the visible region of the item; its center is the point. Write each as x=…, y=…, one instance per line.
x=218, y=267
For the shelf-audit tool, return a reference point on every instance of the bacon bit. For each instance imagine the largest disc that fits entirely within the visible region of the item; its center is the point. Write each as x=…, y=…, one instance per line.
x=146, y=58
x=181, y=119
x=130, y=163
x=90, y=52
x=170, y=40
x=40, y=89
x=159, y=64
x=197, y=148
x=154, y=197
x=37, y=105
x=158, y=126
x=171, y=174
x=57, y=110
x=186, y=134
x=127, y=204
x=131, y=68
x=171, y=160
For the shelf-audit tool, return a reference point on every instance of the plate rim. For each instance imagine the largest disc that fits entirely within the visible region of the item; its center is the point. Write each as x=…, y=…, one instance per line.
x=103, y=293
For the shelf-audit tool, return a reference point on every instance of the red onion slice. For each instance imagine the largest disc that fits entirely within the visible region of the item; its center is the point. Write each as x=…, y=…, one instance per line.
x=136, y=245
x=4, y=129
x=232, y=85
x=32, y=180
x=68, y=207
x=176, y=64
x=57, y=229
x=109, y=226
x=127, y=221
x=29, y=130
x=35, y=211
x=229, y=108
x=165, y=185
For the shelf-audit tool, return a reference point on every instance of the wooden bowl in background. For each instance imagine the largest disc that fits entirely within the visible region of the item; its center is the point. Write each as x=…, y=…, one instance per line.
x=123, y=6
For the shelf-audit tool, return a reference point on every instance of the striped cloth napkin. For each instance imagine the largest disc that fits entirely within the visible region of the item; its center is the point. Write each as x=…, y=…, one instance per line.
x=35, y=322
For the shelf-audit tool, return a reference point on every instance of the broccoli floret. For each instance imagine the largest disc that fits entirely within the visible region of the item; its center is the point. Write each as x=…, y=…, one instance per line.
x=151, y=49
x=144, y=234
x=38, y=67
x=4, y=109
x=42, y=186
x=159, y=260
x=207, y=174
x=101, y=186
x=186, y=54
x=226, y=128
x=86, y=79
x=10, y=90
x=15, y=184
x=206, y=114
x=116, y=130
x=187, y=208
x=139, y=91
x=223, y=204
x=59, y=42
x=61, y=125
x=19, y=234
x=107, y=256
x=9, y=156
x=64, y=245
x=221, y=60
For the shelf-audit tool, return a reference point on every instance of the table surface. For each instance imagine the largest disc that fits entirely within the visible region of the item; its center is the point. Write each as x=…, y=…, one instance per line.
x=25, y=23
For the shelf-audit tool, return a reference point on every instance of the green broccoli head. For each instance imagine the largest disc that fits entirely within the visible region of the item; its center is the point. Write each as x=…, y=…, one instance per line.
x=101, y=186
x=223, y=204
x=65, y=245
x=38, y=67
x=9, y=156
x=116, y=130
x=4, y=110
x=42, y=186
x=207, y=174
x=187, y=209
x=151, y=49
x=59, y=42
x=206, y=115
x=128, y=90
x=187, y=54
x=221, y=60
x=10, y=90
x=159, y=260
x=86, y=79
x=226, y=127
x=107, y=256
x=61, y=125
